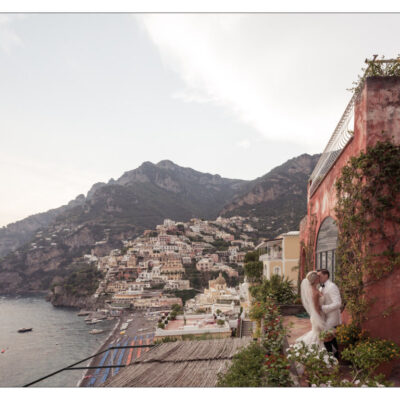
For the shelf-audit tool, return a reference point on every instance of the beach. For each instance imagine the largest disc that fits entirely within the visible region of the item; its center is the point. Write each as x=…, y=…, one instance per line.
x=140, y=331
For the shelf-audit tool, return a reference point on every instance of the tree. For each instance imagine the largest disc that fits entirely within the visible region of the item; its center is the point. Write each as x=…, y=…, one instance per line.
x=253, y=270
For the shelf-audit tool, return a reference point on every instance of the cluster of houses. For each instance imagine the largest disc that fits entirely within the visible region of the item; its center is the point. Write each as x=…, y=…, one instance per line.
x=139, y=275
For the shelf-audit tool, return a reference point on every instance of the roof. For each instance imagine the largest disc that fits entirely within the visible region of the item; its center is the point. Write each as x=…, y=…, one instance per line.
x=194, y=363
x=220, y=280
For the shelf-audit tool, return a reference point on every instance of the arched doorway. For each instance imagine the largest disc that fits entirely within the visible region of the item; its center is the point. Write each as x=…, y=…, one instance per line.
x=325, y=254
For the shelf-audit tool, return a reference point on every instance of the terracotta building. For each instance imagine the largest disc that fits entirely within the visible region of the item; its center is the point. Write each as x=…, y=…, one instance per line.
x=375, y=111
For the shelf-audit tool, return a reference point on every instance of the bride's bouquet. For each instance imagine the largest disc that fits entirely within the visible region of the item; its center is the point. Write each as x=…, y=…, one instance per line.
x=328, y=335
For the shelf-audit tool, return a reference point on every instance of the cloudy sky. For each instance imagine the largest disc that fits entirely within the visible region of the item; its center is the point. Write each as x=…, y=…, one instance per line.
x=85, y=97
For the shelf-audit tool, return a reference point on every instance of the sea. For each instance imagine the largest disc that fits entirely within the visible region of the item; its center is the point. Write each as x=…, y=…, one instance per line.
x=59, y=338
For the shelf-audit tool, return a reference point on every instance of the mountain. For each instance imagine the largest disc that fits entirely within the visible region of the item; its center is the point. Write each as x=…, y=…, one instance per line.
x=42, y=248
x=278, y=199
x=18, y=233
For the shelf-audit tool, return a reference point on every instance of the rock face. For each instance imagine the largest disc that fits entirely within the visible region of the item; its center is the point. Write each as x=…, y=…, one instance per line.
x=66, y=300
x=44, y=247
x=278, y=199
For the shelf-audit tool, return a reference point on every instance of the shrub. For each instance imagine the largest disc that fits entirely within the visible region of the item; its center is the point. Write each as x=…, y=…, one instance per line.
x=368, y=355
x=279, y=288
x=320, y=367
x=220, y=322
x=276, y=371
x=246, y=368
x=350, y=334
x=161, y=325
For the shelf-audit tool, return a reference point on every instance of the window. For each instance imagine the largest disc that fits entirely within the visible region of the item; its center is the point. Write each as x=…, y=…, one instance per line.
x=326, y=246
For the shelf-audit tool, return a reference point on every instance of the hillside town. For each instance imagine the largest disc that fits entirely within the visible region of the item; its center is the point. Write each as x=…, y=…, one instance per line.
x=149, y=272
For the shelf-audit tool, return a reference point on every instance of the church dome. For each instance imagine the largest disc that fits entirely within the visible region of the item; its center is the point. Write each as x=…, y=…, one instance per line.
x=220, y=280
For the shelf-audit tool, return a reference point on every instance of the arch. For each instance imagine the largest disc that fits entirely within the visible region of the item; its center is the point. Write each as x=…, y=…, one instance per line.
x=325, y=249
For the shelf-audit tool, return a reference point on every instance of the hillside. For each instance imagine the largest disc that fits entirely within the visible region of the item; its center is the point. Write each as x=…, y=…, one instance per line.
x=110, y=213
x=278, y=199
x=41, y=249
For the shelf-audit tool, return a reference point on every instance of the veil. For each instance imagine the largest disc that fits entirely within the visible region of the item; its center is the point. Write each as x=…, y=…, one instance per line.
x=306, y=298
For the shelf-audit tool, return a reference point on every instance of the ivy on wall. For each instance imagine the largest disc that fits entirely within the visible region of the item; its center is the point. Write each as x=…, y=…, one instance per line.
x=309, y=247
x=368, y=219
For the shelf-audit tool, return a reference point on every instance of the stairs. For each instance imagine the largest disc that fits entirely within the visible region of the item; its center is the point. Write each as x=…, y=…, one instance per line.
x=247, y=328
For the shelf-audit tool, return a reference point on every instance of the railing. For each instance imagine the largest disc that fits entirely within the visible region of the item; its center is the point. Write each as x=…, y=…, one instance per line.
x=341, y=135
x=73, y=366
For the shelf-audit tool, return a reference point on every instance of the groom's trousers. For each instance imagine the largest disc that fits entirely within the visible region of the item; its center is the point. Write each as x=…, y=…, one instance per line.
x=329, y=347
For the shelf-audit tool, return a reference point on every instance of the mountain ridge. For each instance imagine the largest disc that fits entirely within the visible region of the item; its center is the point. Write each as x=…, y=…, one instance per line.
x=140, y=199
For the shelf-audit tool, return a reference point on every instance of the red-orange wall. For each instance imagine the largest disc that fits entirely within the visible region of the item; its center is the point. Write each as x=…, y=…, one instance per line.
x=377, y=110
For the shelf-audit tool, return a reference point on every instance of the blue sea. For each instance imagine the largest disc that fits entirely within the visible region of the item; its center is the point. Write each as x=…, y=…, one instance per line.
x=59, y=338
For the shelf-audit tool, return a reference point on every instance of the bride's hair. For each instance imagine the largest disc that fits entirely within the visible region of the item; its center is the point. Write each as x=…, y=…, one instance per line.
x=312, y=276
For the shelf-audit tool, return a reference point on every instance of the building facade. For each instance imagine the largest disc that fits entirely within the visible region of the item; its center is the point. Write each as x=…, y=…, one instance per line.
x=282, y=256
x=376, y=117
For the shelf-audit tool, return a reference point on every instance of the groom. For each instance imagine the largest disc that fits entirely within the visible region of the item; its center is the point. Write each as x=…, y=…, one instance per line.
x=331, y=307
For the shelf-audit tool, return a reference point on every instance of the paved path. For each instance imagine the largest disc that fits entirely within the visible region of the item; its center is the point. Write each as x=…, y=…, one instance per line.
x=299, y=327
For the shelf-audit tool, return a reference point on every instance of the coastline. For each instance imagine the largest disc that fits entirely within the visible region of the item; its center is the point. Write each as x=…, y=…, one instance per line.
x=100, y=348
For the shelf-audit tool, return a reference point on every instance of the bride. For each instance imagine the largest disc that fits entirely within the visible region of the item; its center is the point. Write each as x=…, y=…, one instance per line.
x=312, y=300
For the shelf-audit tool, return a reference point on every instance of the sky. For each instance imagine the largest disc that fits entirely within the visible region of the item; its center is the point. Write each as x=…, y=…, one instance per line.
x=86, y=97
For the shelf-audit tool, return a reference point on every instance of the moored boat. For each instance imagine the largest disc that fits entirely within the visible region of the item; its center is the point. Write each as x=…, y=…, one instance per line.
x=23, y=330
x=96, y=331
x=83, y=313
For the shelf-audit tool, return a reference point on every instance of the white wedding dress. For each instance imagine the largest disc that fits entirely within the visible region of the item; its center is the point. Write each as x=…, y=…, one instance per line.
x=317, y=321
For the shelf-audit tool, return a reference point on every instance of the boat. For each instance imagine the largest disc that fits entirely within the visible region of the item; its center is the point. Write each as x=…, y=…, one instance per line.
x=93, y=321
x=83, y=313
x=23, y=330
x=96, y=331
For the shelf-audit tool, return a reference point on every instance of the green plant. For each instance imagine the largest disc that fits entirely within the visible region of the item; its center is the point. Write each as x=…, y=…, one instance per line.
x=368, y=355
x=246, y=368
x=276, y=371
x=177, y=308
x=327, y=335
x=368, y=220
x=376, y=67
x=320, y=367
x=220, y=322
x=160, y=325
x=253, y=270
x=278, y=288
x=350, y=334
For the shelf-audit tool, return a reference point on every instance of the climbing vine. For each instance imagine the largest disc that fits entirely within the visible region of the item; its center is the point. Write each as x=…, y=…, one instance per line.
x=368, y=218
x=309, y=247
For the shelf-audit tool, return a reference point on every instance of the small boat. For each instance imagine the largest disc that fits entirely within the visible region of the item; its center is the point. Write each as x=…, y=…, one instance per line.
x=23, y=330
x=96, y=331
x=83, y=313
x=93, y=321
